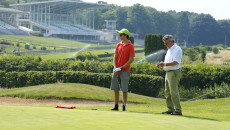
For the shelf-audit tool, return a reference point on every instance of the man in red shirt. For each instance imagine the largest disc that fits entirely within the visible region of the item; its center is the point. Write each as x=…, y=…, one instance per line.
x=123, y=57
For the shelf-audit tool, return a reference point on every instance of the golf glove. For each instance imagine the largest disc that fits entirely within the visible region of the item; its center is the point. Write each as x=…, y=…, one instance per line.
x=118, y=69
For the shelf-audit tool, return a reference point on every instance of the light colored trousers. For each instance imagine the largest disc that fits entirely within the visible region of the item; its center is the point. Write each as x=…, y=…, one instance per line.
x=172, y=80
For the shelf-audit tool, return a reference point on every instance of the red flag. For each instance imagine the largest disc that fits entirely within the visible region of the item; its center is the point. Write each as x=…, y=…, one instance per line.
x=72, y=107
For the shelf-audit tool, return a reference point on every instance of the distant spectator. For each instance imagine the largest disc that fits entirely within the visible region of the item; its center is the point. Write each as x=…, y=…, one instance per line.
x=18, y=52
x=14, y=51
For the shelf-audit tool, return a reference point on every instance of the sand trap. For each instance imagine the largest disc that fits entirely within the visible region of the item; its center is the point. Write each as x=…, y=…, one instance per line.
x=53, y=102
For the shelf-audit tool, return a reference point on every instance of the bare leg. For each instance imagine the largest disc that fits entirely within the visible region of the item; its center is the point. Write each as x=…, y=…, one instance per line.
x=125, y=94
x=116, y=98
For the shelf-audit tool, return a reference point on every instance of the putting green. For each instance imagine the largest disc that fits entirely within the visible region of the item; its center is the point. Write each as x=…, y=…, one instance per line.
x=34, y=117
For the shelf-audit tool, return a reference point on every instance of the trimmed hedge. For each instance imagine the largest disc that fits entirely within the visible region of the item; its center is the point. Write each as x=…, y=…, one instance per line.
x=204, y=76
x=201, y=75
x=147, y=85
x=140, y=84
x=153, y=43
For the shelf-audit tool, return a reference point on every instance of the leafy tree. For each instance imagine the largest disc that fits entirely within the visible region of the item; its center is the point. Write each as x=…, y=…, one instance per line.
x=109, y=12
x=225, y=27
x=151, y=12
x=139, y=19
x=121, y=17
x=192, y=27
x=183, y=28
x=102, y=2
x=165, y=23
x=205, y=29
x=98, y=20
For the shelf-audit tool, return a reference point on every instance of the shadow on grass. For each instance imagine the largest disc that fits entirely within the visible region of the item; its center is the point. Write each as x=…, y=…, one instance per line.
x=192, y=117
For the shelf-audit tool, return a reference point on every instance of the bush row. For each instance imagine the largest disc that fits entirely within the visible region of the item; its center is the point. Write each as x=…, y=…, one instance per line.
x=140, y=84
x=200, y=75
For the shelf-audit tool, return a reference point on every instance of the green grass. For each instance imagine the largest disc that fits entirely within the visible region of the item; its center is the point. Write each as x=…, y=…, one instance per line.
x=97, y=52
x=68, y=91
x=59, y=55
x=49, y=42
x=29, y=117
x=138, y=56
x=202, y=114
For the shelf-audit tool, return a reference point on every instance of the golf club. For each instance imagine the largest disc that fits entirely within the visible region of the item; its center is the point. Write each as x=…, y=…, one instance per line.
x=205, y=94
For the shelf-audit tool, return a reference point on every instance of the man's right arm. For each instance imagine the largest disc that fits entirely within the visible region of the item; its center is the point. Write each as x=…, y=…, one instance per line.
x=115, y=64
x=115, y=61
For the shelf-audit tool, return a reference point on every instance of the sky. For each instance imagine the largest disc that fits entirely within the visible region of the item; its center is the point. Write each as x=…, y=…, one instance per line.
x=219, y=9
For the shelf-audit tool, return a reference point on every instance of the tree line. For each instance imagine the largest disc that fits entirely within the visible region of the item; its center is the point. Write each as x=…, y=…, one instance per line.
x=188, y=27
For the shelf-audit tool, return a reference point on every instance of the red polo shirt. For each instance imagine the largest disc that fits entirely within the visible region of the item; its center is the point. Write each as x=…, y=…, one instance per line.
x=123, y=54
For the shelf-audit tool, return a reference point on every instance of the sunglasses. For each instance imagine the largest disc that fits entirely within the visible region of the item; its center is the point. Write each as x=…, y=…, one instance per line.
x=122, y=34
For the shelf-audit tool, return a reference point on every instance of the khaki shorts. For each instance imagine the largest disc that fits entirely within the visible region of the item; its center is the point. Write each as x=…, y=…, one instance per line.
x=124, y=80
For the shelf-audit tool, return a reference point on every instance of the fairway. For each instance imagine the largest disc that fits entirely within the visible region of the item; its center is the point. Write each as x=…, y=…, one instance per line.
x=146, y=114
x=29, y=117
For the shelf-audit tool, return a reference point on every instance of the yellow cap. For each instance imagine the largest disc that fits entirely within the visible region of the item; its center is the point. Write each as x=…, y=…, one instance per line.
x=124, y=31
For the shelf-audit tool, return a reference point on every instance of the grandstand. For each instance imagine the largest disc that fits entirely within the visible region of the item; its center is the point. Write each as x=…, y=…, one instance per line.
x=61, y=18
x=7, y=22
x=67, y=19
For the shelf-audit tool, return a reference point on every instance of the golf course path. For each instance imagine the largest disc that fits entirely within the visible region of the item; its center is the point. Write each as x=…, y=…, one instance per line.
x=53, y=102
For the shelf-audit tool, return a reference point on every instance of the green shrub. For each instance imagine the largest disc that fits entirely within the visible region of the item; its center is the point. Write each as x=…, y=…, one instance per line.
x=147, y=85
x=200, y=75
x=215, y=50
x=225, y=92
x=83, y=55
x=192, y=53
x=92, y=66
x=153, y=43
x=141, y=84
x=203, y=55
x=131, y=38
x=6, y=43
x=208, y=48
x=43, y=48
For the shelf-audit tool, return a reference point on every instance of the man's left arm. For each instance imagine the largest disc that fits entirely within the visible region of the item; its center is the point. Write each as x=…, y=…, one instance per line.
x=161, y=64
x=176, y=60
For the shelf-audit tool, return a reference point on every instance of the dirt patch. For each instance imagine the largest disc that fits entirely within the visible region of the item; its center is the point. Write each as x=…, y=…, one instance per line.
x=53, y=102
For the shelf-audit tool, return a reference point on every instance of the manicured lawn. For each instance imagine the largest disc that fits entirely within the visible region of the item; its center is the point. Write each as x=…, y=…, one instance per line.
x=49, y=42
x=202, y=114
x=30, y=117
x=59, y=55
x=138, y=56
